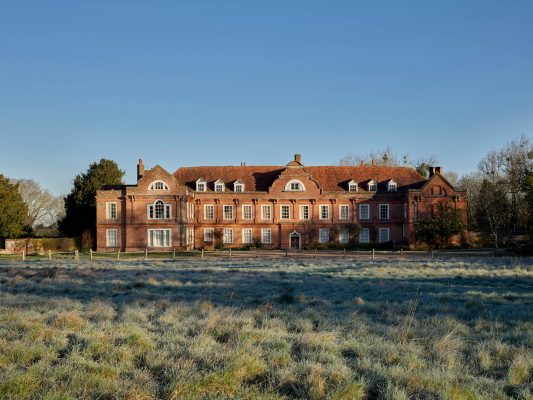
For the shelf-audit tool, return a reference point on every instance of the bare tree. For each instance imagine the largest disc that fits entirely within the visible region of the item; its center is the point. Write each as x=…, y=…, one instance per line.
x=44, y=208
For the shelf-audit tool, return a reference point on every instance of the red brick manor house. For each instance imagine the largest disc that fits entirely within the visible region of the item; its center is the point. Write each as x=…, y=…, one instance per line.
x=290, y=206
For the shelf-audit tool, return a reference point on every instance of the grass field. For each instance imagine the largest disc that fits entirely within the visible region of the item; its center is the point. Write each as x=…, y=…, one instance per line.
x=271, y=329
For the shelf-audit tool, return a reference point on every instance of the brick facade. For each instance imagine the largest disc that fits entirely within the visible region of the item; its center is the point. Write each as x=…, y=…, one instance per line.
x=165, y=211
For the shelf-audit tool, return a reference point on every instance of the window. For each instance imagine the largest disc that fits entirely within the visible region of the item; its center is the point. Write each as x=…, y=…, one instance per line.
x=383, y=235
x=364, y=211
x=344, y=236
x=227, y=236
x=285, y=212
x=372, y=186
x=159, y=210
x=247, y=212
x=228, y=212
x=219, y=186
x=266, y=235
x=247, y=236
x=304, y=212
x=324, y=212
x=209, y=211
x=111, y=238
x=294, y=186
x=392, y=186
x=238, y=187
x=383, y=211
x=158, y=237
x=209, y=235
x=158, y=185
x=266, y=212
x=200, y=185
x=364, y=235
x=111, y=210
x=323, y=235
x=344, y=212
x=352, y=186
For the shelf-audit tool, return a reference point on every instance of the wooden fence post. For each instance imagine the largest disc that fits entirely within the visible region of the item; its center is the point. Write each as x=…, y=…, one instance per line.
x=76, y=254
x=373, y=254
x=286, y=253
x=344, y=251
x=145, y=254
x=91, y=254
x=315, y=253
x=401, y=253
x=230, y=252
x=173, y=253
x=49, y=255
x=432, y=253
x=202, y=253
x=23, y=255
x=118, y=255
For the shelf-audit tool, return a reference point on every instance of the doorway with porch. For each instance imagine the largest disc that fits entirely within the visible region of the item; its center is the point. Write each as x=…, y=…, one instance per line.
x=295, y=240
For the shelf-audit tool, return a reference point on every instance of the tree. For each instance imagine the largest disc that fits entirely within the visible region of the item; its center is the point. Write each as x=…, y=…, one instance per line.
x=13, y=211
x=528, y=189
x=439, y=229
x=80, y=203
x=44, y=209
x=492, y=211
x=471, y=184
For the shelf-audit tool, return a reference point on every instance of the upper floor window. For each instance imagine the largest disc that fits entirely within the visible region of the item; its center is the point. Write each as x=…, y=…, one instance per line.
x=266, y=212
x=372, y=186
x=201, y=185
x=294, y=186
x=285, y=212
x=159, y=210
x=383, y=211
x=247, y=212
x=344, y=211
x=304, y=212
x=352, y=186
x=392, y=186
x=111, y=210
x=364, y=211
x=238, y=186
x=324, y=211
x=209, y=211
x=219, y=186
x=228, y=212
x=158, y=185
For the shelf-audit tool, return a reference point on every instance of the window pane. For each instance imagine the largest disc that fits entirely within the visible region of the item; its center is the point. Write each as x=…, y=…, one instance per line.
x=247, y=212
x=266, y=212
x=247, y=236
x=228, y=212
x=344, y=212
x=285, y=212
x=324, y=235
x=266, y=236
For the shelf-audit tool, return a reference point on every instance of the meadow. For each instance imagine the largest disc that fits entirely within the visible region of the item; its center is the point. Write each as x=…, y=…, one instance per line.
x=267, y=329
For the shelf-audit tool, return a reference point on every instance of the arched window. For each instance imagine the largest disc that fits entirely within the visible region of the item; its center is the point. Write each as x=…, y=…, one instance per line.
x=159, y=210
x=158, y=185
x=294, y=186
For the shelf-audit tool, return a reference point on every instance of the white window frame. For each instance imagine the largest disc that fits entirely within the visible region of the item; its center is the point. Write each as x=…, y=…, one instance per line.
x=209, y=233
x=212, y=207
x=167, y=210
x=344, y=236
x=345, y=207
x=323, y=207
x=265, y=231
x=108, y=238
x=388, y=211
x=203, y=186
x=247, y=239
x=226, y=218
x=303, y=214
x=108, y=210
x=238, y=187
x=361, y=207
x=392, y=186
x=364, y=238
x=154, y=183
x=220, y=186
x=388, y=235
x=352, y=186
x=290, y=186
x=322, y=235
x=372, y=186
x=281, y=207
x=167, y=239
x=263, y=206
x=227, y=236
x=251, y=212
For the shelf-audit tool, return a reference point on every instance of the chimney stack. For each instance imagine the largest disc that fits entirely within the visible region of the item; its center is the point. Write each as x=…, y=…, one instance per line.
x=140, y=169
x=434, y=170
x=298, y=158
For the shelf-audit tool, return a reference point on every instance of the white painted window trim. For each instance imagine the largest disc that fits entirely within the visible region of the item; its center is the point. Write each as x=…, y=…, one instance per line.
x=219, y=184
x=229, y=230
x=392, y=186
x=269, y=235
x=224, y=212
x=320, y=231
x=388, y=235
x=371, y=183
x=251, y=212
x=165, y=205
x=251, y=235
x=152, y=185
x=263, y=214
x=289, y=189
x=302, y=213
x=352, y=184
x=205, y=211
x=360, y=213
x=212, y=230
x=340, y=211
x=281, y=212
x=320, y=207
x=367, y=240
x=108, y=210
x=388, y=211
x=201, y=182
x=164, y=245
x=107, y=238
x=239, y=184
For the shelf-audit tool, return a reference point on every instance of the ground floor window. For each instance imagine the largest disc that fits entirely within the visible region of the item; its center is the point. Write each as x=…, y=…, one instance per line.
x=266, y=235
x=323, y=235
x=209, y=234
x=344, y=236
x=111, y=238
x=227, y=236
x=159, y=237
x=247, y=236
x=383, y=235
x=364, y=235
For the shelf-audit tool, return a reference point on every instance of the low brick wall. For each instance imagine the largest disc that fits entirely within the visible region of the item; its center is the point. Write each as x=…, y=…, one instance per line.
x=30, y=245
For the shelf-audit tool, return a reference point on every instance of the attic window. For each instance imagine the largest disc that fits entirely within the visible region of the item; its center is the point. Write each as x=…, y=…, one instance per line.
x=200, y=185
x=158, y=185
x=238, y=187
x=352, y=186
x=219, y=186
x=294, y=186
x=372, y=186
x=392, y=186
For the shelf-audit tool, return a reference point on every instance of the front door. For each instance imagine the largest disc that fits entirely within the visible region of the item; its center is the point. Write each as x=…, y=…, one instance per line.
x=295, y=241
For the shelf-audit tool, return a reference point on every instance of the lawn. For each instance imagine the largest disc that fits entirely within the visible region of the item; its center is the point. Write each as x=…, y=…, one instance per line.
x=267, y=329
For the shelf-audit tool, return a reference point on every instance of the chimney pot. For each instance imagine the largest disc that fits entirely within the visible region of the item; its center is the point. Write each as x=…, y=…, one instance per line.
x=298, y=158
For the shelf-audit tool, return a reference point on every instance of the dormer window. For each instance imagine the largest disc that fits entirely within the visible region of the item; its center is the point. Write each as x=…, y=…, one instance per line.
x=158, y=185
x=219, y=186
x=238, y=186
x=200, y=185
x=392, y=186
x=372, y=186
x=352, y=186
x=294, y=186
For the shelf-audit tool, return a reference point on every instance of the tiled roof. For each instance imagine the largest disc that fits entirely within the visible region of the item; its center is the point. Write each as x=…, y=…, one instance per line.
x=330, y=178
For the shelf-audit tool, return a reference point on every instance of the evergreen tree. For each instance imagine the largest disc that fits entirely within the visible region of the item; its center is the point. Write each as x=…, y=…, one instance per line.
x=439, y=229
x=13, y=210
x=80, y=203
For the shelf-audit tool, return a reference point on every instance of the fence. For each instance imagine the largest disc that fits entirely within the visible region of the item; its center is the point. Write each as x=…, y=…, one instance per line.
x=264, y=254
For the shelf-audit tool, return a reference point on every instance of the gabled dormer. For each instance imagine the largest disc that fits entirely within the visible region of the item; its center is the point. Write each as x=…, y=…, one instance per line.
x=238, y=186
x=352, y=186
x=201, y=185
x=219, y=186
x=392, y=186
x=372, y=186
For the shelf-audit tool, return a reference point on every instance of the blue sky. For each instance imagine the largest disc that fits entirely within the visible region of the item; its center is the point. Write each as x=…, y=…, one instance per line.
x=219, y=82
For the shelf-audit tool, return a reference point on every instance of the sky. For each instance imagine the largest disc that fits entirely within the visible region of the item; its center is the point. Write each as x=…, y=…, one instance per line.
x=184, y=83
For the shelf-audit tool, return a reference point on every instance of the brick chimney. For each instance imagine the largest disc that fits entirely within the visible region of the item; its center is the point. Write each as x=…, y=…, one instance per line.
x=298, y=158
x=434, y=170
x=140, y=169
